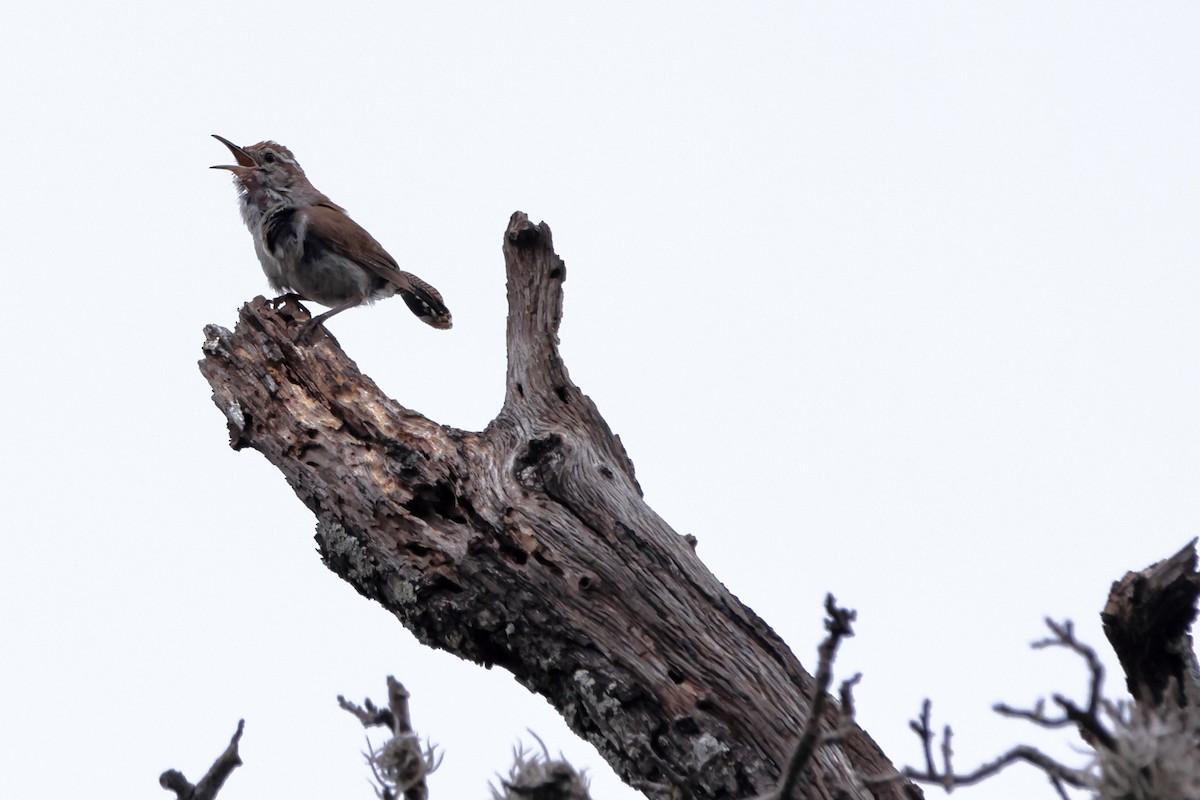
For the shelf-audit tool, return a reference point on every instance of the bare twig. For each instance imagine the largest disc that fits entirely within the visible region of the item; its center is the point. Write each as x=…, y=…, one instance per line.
x=213, y=780
x=924, y=731
x=845, y=725
x=1037, y=714
x=846, y=694
x=1087, y=718
x=368, y=713
x=400, y=765
x=948, y=779
x=838, y=624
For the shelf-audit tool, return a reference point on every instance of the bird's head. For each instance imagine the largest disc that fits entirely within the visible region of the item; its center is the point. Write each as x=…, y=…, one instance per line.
x=266, y=167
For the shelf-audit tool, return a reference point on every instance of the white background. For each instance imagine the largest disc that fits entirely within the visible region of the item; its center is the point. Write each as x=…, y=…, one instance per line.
x=898, y=301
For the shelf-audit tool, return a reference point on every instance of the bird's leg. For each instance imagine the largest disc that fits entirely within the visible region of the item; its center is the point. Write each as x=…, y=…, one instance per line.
x=310, y=326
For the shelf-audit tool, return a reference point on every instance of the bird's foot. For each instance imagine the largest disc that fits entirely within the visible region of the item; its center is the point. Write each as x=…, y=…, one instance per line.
x=307, y=331
x=284, y=299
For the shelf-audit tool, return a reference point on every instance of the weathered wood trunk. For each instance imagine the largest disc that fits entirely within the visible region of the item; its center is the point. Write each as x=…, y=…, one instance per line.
x=528, y=546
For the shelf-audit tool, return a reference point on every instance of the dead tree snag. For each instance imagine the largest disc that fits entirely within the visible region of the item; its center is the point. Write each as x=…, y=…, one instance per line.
x=528, y=546
x=1148, y=621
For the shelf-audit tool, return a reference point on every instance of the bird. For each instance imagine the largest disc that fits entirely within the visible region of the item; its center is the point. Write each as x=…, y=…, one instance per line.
x=310, y=248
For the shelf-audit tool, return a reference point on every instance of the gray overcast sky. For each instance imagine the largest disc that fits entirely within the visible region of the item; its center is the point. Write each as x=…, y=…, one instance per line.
x=894, y=300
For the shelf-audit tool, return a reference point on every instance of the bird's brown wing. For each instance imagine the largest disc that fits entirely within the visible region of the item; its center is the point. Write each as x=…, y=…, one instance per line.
x=347, y=238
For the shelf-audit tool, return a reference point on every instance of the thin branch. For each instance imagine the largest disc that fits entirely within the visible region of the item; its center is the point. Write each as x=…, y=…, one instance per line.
x=846, y=694
x=924, y=732
x=948, y=779
x=368, y=713
x=1065, y=637
x=213, y=780
x=1086, y=718
x=845, y=725
x=399, y=765
x=1036, y=715
x=838, y=624
x=947, y=750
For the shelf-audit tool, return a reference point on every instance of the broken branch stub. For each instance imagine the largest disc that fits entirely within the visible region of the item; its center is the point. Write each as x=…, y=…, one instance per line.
x=1148, y=620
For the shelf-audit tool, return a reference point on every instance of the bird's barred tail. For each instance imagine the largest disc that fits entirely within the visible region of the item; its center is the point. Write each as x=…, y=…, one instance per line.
x=425, y=302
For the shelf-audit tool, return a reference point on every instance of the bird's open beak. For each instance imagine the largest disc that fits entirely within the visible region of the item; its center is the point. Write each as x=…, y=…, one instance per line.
x=244, y=162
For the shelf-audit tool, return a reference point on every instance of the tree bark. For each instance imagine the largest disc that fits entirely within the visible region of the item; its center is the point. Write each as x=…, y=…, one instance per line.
x=528, y=546
x=1148, y=620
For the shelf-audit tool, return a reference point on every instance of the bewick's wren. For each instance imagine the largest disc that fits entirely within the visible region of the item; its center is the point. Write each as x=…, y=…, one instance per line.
x=308, y=245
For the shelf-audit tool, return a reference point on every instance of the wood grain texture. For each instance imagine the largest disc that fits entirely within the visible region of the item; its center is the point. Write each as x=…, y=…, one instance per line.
x=528, y=546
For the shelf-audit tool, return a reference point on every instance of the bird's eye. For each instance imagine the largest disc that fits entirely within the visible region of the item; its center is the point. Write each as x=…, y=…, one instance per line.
x=269, y=157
